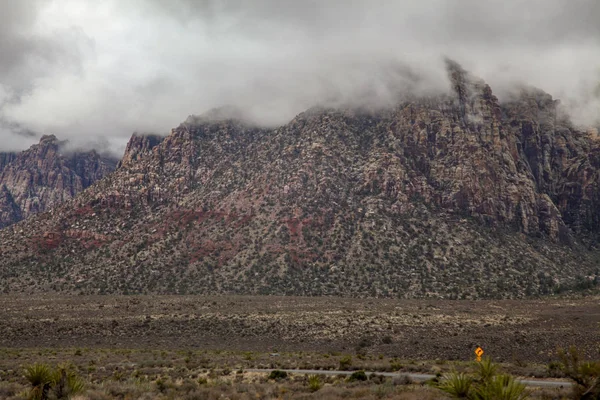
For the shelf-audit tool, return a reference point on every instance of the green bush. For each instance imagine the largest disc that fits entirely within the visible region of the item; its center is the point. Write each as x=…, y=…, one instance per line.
x=345, y=363
x=358, y=376
x=277, y=375
x=161, y=385
x=396, y=366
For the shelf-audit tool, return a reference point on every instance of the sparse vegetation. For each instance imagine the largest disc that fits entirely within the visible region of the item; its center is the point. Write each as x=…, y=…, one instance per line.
x=520, y=332
x=584, y=373
x=165, y=374
x=484, y=384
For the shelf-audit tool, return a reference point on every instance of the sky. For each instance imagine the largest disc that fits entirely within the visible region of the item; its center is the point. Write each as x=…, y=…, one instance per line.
x=95, y=71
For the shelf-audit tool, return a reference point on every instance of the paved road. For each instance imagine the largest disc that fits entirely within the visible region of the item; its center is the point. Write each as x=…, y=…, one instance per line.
x=414, y=377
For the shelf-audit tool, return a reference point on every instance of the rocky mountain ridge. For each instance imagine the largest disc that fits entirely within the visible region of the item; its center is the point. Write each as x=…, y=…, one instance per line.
x=456, y=196
x=44, y=176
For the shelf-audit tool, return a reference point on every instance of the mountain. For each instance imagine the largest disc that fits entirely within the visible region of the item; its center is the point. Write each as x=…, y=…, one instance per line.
x=44, y=176
x=455, y=196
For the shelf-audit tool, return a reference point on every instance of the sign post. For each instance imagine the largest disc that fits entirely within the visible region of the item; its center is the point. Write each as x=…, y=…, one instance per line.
x=478, y=353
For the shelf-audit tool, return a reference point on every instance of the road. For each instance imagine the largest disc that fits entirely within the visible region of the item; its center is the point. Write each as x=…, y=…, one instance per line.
x=415, y=377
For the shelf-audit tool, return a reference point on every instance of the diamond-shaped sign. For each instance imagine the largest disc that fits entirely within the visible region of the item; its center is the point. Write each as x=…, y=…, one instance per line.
x=478, y=352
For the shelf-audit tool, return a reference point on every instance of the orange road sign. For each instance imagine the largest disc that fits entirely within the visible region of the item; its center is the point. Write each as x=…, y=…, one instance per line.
x=478, y=353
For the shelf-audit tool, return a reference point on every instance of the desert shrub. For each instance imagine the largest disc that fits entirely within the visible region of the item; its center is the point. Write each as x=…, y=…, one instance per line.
x=376, y=378
x=122, y=390
x=345, y=363
x=96, y=395
x=585, y=374
x=396, y=366
x=8, y=390
x=387, y=340
x=314, y=383
x=382, y=391
x=202, y=381
x=402, y=380
x=277, y=375
x=358, y=376
x=161, y=385
x=554, y=370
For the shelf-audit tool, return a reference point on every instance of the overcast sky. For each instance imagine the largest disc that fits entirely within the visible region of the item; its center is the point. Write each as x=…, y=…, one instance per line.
x=98, y=70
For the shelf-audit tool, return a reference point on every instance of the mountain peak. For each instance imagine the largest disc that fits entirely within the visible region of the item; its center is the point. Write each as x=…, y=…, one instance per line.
x=47, y=139
x=218, y=114
x=139, y=145
x=41, y=177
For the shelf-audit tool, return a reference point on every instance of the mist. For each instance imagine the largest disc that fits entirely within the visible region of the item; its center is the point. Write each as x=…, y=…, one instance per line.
x=95, y=72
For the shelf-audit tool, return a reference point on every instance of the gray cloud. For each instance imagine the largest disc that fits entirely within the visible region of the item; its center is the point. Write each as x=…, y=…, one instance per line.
x=89, y=70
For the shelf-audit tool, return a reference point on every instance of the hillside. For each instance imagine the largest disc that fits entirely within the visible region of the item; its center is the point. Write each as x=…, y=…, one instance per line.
x=456, y=196
x=44, y=176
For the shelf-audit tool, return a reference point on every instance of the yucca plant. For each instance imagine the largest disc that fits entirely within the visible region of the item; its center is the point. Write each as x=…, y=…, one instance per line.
x=66, y=383
x=486, y=370
x=314, y=383
x=61, y=383
x=585, y=374
x=40, y=378
x=501, y=387
x=457, y=385
x=484, y=384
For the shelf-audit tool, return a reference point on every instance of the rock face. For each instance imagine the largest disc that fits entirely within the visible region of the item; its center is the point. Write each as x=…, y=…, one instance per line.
x=455, y=196
x=44, y=176
x=5, y=159
x=138, y=147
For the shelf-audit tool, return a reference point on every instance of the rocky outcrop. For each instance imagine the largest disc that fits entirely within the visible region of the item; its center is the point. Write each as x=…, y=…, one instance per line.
x=9, y=210
x=5, y=159
x=455, y=196
x=139, y=146
x=44, y=176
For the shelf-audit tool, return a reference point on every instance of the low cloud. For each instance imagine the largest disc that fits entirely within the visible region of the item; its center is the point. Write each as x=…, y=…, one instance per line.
x=94, y=72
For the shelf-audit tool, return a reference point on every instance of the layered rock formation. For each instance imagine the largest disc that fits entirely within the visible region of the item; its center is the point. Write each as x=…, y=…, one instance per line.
x=44, y=176
x=455, y=196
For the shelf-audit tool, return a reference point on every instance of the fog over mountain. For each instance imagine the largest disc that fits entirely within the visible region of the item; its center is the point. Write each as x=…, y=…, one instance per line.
x=94, y=72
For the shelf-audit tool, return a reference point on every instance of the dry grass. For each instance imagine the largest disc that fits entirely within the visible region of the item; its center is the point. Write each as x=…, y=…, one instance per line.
x=167, y=374
x=238, y=386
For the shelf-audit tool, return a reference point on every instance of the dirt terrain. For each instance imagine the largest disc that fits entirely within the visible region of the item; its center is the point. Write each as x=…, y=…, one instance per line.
x=508, y=331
